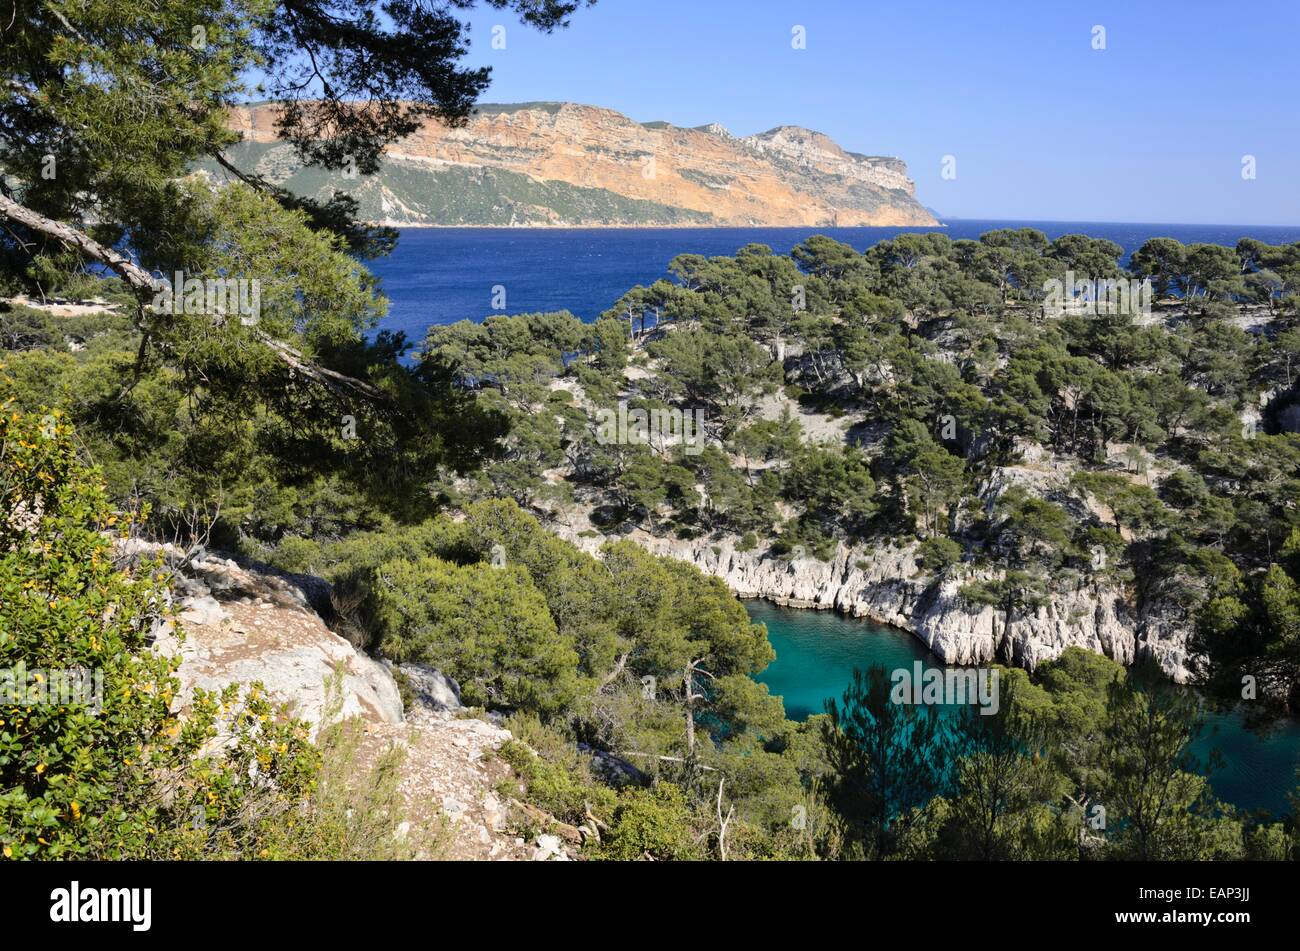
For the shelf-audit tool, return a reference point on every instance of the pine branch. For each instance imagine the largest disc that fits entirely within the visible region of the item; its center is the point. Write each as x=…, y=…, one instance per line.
x=146, y=286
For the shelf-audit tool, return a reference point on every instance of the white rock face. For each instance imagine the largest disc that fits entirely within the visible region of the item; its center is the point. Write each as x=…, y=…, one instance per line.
x=549, y=849
x=814, y=150
x=450, y=776
x=885, y=585
x=242, y=626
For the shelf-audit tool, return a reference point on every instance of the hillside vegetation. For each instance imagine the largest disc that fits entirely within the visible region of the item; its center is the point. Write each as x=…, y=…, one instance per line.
x=203, y=362
x=845, y=396
x=926, y=392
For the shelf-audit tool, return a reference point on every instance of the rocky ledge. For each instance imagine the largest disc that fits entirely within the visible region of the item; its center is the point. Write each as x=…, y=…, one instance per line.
x=243, y=625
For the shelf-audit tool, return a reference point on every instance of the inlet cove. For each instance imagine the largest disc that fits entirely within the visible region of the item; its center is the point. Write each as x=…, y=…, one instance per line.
x=816, y=652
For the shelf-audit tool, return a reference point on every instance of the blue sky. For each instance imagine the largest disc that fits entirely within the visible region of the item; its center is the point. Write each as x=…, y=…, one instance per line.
x=1042, y=126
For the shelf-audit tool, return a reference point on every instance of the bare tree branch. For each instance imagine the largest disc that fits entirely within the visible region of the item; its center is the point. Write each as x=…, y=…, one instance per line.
x=671, y=759
x=723, y=823
x=146, y=285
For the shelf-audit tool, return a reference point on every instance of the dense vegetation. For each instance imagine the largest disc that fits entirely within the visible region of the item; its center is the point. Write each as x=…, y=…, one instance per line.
x=1035, y=453
x=636, y=716
x=646, y=664
x=97, y=759
x=199, y=423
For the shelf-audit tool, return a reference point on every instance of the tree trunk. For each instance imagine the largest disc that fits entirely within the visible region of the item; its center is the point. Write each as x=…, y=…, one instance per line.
x=690, y=710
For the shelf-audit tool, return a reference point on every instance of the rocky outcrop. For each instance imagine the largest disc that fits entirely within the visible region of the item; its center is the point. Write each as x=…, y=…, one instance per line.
x=885, y=585
x=450, y=775
x=242, y=625
x=245, y=623
x=550, y=163
x=430, y=688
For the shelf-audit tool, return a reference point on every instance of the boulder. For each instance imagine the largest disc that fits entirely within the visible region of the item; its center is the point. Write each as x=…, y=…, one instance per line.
x=432, y=689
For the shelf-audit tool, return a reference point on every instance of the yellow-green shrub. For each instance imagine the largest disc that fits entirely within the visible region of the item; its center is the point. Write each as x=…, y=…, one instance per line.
x=122, y=776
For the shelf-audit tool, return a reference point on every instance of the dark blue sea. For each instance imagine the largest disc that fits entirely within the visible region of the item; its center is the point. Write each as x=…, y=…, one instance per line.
x=442, y=275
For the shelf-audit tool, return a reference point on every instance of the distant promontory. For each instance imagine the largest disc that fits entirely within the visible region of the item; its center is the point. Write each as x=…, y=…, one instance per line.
x=561, y=164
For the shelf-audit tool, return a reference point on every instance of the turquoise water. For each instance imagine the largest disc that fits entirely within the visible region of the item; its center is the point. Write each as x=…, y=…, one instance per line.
x=816, y=652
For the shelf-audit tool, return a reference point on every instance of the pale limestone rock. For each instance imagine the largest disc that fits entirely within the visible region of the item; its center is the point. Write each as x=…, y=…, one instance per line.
x=242, y=625
x=786, y=176
x=549, y=849
x=885, y=585
x=432, y=688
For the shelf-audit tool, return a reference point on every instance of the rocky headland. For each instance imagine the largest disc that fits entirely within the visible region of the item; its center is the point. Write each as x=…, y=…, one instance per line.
x=565, y=164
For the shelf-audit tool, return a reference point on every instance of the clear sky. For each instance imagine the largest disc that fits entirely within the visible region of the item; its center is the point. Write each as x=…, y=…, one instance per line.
x=1153, y=128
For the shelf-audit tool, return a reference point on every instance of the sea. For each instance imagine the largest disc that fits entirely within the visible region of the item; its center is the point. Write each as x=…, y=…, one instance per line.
x=816, y=652
x=442, y=275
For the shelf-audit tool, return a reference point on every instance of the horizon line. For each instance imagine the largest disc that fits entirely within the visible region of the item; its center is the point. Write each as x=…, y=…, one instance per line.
x=1089, y=221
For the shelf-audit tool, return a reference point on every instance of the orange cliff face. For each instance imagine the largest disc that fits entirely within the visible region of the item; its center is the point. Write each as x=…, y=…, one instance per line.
x=560, y=163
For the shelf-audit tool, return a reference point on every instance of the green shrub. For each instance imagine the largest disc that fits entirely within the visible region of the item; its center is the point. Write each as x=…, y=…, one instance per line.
x=113, y=772
x=652, y=822
x=297, y=554
x=487, y=627
x=557, y=777
x=938, y=552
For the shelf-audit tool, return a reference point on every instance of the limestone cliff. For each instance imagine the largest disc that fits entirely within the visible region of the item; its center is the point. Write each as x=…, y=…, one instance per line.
x=885, y=585
x=565, y=164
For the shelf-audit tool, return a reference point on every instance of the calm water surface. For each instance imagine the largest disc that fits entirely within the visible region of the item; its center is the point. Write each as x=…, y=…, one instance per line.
x=816, y=652
x=442, y=275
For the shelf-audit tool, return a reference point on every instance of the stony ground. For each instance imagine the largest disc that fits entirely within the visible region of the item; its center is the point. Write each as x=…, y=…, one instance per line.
x=451, y=775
